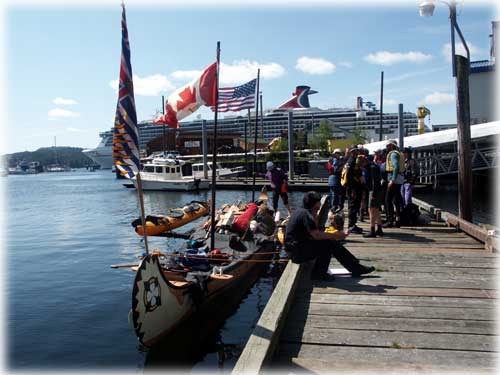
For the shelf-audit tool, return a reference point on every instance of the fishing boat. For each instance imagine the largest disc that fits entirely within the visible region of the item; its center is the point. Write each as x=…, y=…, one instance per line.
x=170, y=289
x=165, y=174
x=158, y=224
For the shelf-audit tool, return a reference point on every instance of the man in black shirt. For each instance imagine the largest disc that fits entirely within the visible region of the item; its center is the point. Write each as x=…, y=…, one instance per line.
x=305, y=241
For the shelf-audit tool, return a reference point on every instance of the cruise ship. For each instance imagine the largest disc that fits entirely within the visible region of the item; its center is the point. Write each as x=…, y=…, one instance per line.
x=306, y=119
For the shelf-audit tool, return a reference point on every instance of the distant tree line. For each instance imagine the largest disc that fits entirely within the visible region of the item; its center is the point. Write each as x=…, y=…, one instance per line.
x=70, y=156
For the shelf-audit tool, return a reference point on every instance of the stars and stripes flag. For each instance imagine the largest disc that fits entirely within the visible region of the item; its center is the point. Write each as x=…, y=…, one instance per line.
x=125, y=134
x=237, y=98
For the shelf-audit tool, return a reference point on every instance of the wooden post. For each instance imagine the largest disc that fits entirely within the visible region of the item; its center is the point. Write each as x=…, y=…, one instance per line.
x=290, y=146
x=381, y=125
x=204, y=145
x=401, y=127
x=463, y=139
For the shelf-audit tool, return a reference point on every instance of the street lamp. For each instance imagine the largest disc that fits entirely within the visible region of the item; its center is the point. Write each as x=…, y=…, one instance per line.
x=461, y=74
x=427, y=10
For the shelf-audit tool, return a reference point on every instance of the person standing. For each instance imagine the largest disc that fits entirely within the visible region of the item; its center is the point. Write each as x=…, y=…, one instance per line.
x=304, y=241
x=334, y=167
x=375, y=198
x=395, y=167
x=352, y=179
x=278, y=181
x=410, y=177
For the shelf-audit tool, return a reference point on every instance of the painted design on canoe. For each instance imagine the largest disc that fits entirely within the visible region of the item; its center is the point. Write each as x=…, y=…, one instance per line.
x=152, y=294
x=155, y=314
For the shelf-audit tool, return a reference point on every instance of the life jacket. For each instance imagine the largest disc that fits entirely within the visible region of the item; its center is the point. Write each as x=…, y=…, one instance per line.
x=388, y=163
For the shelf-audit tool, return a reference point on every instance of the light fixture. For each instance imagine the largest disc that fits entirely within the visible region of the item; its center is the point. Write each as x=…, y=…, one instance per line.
x=427, y=8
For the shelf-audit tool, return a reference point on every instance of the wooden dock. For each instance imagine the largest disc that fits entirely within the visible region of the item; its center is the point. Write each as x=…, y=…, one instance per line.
x=429, y=307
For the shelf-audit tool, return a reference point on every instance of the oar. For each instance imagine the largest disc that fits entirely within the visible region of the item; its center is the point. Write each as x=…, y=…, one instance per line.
x=263, y=195
x=124, y=265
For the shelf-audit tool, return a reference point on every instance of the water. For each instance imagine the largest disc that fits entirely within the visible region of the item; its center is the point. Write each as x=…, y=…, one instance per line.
x=65, y=307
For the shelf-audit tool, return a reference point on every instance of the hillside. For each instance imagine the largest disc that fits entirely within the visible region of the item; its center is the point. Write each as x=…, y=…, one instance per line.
x=71, y=156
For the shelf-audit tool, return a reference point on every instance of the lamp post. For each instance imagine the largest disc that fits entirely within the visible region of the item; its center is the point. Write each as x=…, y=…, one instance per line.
x=460, y=70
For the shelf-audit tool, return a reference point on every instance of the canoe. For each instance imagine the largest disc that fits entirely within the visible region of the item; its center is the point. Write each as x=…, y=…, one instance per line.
x=158, y=224
x=165, y=298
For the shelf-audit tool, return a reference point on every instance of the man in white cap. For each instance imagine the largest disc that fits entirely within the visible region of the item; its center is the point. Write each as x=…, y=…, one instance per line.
x=395, y=167
x=278, y=181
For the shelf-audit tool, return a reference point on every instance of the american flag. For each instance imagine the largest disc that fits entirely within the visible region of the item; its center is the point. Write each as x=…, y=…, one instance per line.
x=237, y=98
x=125, y=134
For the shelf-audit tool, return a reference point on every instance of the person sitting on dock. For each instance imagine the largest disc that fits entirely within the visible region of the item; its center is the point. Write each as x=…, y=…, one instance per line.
x=278, y=181
x=304, y=241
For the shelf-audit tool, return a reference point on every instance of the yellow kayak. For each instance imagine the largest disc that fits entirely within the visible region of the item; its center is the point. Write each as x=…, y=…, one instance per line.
x=158, y=224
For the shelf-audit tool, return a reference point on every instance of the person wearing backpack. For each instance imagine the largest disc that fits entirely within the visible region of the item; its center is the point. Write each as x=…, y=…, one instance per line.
x=334, y=167
x=352, y=180
x=395, y=168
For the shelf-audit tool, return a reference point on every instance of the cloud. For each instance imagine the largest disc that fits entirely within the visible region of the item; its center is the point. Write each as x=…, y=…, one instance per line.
x=345, y=64
x=62, y=113
x=148, y=86
x=404, y=76
x=244, y=70
x=75, y=130
x=391, y=58
x=186, y=75
x=316, y=66
x=437, y=98
x=61, y=101
x=475, y=51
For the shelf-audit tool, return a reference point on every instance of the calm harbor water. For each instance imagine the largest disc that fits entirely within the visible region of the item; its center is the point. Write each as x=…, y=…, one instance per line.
x=65, y=307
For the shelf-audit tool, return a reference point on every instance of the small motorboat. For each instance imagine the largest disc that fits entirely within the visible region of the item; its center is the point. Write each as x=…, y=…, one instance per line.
x=165, y=174
x=159, y=224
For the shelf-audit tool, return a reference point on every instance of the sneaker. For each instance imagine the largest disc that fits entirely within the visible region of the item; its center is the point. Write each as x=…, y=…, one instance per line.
x=322, y=277
x=379, y=232
x=397, y=224
x=355, y=229
x=363, y=270
x=387, y=225
x=370, y=235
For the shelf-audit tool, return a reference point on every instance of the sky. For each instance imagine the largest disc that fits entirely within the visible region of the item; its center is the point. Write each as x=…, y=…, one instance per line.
x=60, y=62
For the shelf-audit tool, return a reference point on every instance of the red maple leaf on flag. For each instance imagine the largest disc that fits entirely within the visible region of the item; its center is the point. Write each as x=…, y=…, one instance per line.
x=188, y=97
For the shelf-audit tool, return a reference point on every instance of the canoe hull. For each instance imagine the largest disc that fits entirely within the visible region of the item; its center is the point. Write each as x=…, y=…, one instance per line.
x=160, y=306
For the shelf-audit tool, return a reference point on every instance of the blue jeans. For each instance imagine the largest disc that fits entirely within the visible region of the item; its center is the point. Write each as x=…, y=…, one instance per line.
x=335, y=191
x=406, y=193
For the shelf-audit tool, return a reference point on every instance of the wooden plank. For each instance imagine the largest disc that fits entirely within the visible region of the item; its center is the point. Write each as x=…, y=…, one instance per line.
x=413, y=245
x=375, y=280
x=261, y=344
x=452, y=302
x=388, y=339
x=336, y=355
x=481, y=327
x=313, y=365
x=402, y=291
x=430, y=269
x=362, y=311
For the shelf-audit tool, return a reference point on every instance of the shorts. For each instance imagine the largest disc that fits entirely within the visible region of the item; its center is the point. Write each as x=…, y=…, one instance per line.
x=375, y=199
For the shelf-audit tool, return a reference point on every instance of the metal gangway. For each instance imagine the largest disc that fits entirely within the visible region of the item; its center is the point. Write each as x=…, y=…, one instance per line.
x=437, y=155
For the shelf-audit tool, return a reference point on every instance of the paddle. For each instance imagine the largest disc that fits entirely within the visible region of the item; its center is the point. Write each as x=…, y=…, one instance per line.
x=263, y=195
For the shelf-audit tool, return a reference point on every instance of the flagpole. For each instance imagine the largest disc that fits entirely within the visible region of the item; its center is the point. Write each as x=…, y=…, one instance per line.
x=246, y=144
x=255, y=136
x=141, y=203
x=214, y=154
x=163, y=111
x=261, y=119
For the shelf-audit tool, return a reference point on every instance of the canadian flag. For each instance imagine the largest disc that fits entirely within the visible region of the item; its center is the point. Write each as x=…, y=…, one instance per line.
x=190, y=97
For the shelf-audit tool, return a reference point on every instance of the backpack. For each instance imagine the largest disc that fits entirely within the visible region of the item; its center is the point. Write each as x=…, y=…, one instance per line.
x=345, y=174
